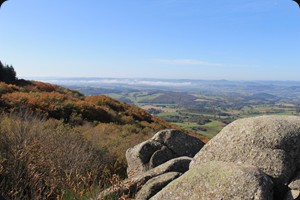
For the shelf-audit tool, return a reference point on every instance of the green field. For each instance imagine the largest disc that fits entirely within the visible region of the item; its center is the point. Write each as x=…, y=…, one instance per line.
x=166, y=114
x=212, y=128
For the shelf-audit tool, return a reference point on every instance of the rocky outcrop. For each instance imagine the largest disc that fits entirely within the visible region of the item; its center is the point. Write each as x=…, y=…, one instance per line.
x=271, y=143
x=219, y=180
x=163, y=146
x=131, y=186
x=255, y=158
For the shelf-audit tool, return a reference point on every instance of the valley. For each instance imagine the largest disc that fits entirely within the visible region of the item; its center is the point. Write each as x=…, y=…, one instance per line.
x=203, y=107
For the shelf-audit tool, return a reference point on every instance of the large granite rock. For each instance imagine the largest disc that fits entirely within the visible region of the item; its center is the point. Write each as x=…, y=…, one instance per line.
x=219, y=180
x=270, y=143
x=163, y=146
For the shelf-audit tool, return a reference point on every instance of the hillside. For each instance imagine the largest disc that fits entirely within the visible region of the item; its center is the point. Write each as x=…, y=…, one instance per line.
x=72, y=107
x=51, y=119
x=52, y=101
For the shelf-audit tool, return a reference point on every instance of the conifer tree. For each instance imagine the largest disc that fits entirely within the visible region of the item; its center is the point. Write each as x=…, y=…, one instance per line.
x=7, y=73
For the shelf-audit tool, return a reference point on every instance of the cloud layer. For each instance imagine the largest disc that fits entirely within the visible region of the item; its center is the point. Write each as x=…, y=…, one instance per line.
x=104, y=81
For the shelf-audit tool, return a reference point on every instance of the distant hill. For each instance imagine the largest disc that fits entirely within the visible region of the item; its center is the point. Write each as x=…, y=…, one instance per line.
x=172, y=98
x=263, y=96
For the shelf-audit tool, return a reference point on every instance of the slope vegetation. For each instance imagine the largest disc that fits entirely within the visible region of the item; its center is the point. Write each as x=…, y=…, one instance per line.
x=57, y=143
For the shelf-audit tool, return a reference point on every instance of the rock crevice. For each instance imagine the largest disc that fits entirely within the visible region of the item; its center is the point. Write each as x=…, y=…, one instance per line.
x=163, y=146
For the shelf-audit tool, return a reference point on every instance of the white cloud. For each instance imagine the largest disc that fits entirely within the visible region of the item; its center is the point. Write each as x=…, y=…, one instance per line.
x=100, y=81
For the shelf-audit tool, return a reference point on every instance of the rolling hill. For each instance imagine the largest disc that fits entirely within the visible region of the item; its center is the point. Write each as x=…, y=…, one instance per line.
x=50, y=136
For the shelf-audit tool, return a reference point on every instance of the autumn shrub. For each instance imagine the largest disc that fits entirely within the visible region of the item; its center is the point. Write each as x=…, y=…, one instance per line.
x=102, y=100
x=8, y=88
x=46, y=159
x=116, y=139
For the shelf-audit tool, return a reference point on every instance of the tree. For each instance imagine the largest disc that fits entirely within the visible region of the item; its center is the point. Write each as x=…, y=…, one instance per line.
x=7, y=74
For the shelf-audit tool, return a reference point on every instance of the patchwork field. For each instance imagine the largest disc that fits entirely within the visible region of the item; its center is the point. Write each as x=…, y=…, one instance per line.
x=205, y=112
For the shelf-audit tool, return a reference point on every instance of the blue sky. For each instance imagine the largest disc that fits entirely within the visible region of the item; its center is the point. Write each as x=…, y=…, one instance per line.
x=193, y=39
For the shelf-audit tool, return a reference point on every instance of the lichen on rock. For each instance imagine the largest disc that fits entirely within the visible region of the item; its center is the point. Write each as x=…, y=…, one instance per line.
x=219, y=180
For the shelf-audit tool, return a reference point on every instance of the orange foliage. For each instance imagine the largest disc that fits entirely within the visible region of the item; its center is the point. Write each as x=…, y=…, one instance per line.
x=61, y=103
x=8, y=88
x=106, y=101
x=46, y=87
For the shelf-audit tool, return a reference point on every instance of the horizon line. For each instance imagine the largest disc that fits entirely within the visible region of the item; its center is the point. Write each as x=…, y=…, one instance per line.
x=153, y=78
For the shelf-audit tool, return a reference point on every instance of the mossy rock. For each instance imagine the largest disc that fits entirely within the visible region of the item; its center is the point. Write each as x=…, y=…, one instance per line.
x=219, y=180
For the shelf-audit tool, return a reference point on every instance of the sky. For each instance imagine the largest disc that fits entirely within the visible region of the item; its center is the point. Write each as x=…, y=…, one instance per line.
x=172, y=39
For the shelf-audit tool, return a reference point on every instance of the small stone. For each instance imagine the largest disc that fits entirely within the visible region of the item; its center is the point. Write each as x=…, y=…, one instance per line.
x=295, y=183
x=292, y=195
x=295, y=193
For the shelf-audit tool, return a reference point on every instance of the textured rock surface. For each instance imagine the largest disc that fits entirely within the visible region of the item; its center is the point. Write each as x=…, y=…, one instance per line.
x=269, y=142
x=179, y=143
x=154, y=185
x=163, y=146
x=255, y=158
x=219, y=180
x=132, y=185
x=138, y=157
x=160, y=156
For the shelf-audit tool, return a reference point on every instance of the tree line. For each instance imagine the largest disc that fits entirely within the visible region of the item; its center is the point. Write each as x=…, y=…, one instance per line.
x=7, y=74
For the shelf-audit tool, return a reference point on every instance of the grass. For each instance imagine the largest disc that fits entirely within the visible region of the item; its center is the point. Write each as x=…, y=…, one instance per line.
x=45, y=159
x=188, y=125
x=135, y=97
x=167, y=114
x=213, y=128
x=267, y=110
x=115, y=96
x=84, y=195
x=140, y=96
